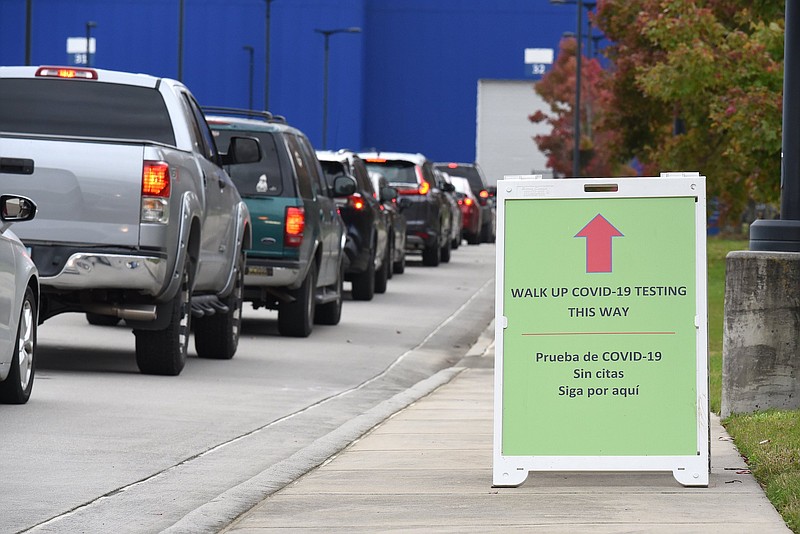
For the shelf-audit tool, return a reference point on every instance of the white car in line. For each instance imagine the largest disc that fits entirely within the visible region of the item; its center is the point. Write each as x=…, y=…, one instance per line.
x=19, y=304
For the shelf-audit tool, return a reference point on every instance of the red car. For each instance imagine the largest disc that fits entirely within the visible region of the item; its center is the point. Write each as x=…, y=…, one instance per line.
x=470, y=210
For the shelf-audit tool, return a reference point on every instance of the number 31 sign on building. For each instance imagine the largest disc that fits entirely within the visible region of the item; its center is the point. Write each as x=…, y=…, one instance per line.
x=601, y=329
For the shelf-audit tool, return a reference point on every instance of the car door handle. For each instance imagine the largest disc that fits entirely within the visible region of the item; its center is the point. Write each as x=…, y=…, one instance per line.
x=16, y=165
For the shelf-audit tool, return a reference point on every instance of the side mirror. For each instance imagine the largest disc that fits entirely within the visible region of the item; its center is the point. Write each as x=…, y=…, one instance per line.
x=404, y=203
x=14, y=208
x=448, y=187
x=242, y=150
x=344, y=186
x=388, y=194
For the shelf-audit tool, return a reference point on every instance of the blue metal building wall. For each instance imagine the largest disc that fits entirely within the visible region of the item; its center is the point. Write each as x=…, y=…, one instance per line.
x=408, y=82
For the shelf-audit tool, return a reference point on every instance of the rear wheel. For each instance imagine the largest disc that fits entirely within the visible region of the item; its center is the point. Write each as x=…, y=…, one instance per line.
x=330, y=313
x=102, y=320
x=382, y=275
x=431, y=255
x=445, y=255
x=217, y=336
x=17, y=387
x=364, y=283
x=399, y=267
x=474, y=239
x=296, y=318
x=163, y=352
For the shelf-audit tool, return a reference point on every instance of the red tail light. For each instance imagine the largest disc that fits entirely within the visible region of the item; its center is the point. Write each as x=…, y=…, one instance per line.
x=294, y=226
x=467, y=201
x=356, y=201
x=423, y=189
x=66, y=72
x=155, y=179
x=484, y=193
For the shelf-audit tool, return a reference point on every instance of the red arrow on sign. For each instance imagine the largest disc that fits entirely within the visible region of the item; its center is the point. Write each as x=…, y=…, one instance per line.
x=598, y=234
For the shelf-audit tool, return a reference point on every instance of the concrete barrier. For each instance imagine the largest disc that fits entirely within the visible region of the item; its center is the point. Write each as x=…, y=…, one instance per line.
x=761, y=338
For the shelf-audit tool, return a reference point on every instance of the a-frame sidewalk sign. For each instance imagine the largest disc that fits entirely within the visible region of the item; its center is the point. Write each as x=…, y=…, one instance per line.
x=601, y=327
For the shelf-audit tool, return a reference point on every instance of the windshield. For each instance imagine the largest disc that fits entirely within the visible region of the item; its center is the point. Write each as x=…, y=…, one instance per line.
x=469, y=172
x=262, y=178
x=396, y=172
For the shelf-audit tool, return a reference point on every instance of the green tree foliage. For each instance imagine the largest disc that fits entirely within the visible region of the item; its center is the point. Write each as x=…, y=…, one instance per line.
x=695, y=85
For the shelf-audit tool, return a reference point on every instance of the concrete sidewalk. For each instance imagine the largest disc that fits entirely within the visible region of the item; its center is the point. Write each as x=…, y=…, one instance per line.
x=429, y=469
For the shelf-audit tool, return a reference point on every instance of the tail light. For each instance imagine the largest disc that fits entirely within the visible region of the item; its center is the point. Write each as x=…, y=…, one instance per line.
x=483, y=196
x=294, y=226
x=356, y=201
x=155, y=192
x=66, y=72
x=467, y=201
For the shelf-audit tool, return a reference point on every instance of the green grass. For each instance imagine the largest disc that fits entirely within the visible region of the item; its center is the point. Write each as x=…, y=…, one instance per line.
x=717, y=250
x=769, y=441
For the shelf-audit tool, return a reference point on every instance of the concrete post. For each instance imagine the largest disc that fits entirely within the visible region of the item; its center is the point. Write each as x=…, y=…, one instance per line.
x=761, y=346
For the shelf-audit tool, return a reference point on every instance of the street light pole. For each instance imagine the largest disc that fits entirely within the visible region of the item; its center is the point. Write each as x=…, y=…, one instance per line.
x=327, y=34
x=576, y=149
x=266, y=55
x=180, y=40
x=28, y=10
x=250, y=50
x=89, y=25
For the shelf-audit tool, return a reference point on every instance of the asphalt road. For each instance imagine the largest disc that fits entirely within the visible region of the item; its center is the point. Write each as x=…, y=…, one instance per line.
x=101, y=447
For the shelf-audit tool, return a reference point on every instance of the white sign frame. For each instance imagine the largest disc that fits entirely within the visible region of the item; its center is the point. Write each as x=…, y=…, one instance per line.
x=511, y=471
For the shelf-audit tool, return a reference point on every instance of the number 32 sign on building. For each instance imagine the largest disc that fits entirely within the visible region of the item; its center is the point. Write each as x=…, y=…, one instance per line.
x=601, y=329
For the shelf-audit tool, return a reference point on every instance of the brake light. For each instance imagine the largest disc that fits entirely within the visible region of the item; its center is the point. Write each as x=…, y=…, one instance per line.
x=294, y=226
x=424, y=187
x=66, y=72
x=155, y=179
x=468, y=201
x=452, y=165
x=356, y=201
x=376, y=160
x=484, y=193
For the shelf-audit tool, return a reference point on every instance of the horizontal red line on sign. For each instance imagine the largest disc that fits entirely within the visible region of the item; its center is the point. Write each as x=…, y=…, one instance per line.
x=601, y=334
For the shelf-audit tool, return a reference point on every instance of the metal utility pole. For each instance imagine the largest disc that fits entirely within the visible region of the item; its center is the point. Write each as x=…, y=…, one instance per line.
x=327, y=34
x=783, y=235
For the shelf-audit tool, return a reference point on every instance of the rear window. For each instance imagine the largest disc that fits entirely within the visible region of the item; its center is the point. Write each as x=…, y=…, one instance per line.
x=262, y=178
x=396, y=172
x=84, y=109
x=332, y=170
x=465, y=171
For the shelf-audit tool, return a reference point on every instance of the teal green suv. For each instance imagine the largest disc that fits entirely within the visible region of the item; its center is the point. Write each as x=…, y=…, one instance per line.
x=297, y=262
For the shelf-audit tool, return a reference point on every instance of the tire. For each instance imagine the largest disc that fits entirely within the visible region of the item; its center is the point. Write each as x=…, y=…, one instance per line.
x=296, y=318
x=390, y=258
x=485, y=233
x=163, y=352
x=364, y=283
x=457, y=241
x=431, y=256
x=17, y=387
x=330, y=313
x=382, y=275
x=102, y=320
x=445, y=255
x=217, y=336
x=474, y=239
x=399, y=267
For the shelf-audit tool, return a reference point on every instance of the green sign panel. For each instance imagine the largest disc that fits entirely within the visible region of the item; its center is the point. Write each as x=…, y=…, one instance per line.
x=600, y=327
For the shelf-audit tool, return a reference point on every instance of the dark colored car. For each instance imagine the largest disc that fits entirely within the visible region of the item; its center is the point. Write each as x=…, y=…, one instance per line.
x=477, y=181
x=455, y=210
x=368, y=246
x=428, y=215
x=470, y=210
x=297, y=261
x=393, y=207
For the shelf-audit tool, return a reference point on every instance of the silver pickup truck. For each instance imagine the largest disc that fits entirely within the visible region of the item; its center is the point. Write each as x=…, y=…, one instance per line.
x=137, y=220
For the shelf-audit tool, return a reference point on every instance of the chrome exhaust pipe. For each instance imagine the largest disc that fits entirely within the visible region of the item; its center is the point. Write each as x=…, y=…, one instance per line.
x=134, y=312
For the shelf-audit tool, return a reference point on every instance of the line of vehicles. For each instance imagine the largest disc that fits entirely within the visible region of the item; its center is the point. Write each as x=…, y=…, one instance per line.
x=138, y=204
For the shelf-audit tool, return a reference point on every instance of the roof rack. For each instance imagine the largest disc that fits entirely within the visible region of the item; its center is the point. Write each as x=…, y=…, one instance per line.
x=279, y=118
x=266, y=115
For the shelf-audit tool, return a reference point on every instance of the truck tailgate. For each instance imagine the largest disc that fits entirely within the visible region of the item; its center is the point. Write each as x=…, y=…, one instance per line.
x=86, y=192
